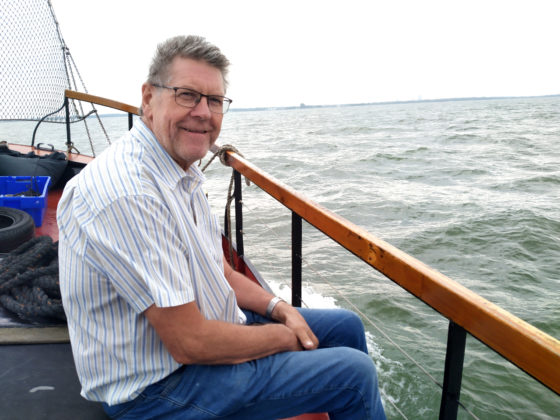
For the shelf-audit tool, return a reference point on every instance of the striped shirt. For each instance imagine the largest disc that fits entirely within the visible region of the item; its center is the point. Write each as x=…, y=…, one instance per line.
x=135, y=230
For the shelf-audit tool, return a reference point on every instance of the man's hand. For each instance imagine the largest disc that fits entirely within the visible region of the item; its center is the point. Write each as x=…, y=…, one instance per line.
x=291, y=318
x=192, y=339
x=253, y=297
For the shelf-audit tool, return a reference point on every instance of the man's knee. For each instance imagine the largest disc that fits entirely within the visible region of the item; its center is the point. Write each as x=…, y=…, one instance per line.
x=358, y=362
x=352, y=368
x=352, y=320
x=336, y=328
x=351, y=330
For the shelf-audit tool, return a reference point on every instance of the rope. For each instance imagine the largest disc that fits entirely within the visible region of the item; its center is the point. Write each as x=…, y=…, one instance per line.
x=70, y=66
x=29, y=285
x=227, y=216
x=221, y=153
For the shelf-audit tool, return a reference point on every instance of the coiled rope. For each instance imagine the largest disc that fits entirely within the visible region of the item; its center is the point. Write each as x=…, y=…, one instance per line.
x=29, y=285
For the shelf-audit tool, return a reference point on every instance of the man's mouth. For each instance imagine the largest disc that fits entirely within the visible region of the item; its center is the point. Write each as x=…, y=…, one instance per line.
x=190, y=130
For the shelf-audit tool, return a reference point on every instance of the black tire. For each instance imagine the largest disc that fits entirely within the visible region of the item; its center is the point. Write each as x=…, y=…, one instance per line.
x=16, y=227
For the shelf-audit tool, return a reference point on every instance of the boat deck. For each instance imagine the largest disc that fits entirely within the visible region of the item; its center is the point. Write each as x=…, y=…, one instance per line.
x=39, y=381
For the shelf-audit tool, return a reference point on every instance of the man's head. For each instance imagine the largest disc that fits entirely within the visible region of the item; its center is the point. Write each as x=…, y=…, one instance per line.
x=186, y=131
x=194, y=47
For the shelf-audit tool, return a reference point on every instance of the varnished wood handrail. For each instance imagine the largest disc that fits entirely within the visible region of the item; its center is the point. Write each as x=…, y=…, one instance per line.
x=86, y=97
x=532, y=350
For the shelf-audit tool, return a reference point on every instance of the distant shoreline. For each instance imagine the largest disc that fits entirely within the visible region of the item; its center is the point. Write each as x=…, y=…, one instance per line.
x=474, y=98
x=303, y=106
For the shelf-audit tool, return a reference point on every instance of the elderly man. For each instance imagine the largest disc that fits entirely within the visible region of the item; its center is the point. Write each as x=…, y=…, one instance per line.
x=160, y=325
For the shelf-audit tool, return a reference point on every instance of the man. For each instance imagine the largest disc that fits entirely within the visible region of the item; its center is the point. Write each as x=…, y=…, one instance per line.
x=161, y=326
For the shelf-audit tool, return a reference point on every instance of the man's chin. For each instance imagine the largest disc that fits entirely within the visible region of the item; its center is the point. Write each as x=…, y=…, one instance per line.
x=199, y=153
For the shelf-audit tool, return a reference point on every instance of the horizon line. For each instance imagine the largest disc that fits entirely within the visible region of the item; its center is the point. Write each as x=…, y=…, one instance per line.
x=468, y=98
x=304, y=106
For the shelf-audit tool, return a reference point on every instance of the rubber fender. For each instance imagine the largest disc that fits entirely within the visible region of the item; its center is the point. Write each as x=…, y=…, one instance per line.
x=16, y=227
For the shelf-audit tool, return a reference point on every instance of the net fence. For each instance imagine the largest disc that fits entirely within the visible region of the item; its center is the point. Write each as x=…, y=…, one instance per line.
x=36, y=65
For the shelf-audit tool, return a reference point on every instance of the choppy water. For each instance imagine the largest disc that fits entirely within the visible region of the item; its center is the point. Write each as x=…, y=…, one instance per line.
x=470, y=188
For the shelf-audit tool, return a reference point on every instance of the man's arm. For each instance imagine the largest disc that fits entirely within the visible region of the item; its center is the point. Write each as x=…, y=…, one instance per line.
x=253, y=297
x=192, y=339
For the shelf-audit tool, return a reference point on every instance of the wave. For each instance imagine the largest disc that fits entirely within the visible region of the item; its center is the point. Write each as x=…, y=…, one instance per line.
x=544, y=183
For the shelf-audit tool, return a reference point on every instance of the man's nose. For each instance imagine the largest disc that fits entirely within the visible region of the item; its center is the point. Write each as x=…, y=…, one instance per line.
x=201, y=108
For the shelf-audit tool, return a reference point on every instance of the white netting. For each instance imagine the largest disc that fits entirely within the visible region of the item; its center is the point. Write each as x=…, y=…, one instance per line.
x=36, y=65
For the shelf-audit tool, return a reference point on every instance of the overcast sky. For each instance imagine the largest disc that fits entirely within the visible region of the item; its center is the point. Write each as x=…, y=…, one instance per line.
x=288, y=52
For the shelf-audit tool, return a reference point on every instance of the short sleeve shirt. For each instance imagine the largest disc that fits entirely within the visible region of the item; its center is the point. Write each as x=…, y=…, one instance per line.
x=135, y=230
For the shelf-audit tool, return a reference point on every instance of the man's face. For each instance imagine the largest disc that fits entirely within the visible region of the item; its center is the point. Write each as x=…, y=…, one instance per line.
x=185, y=133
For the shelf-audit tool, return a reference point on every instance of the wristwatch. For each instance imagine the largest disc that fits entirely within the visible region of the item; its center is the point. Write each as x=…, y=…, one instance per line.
x=272, y=304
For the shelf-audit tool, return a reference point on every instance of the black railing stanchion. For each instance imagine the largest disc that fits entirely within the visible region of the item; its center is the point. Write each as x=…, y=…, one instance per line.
x=296, y=259
x=238, y=214
x=130, y=120
x=454, y=358
x=68, y=136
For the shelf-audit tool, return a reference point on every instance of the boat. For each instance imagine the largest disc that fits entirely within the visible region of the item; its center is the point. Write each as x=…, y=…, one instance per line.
x=39, y=378
x=45, y=383
x=536, y=353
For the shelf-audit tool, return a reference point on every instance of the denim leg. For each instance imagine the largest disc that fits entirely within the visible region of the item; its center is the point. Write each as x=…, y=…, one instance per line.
x=338, y=378
x=339, y=328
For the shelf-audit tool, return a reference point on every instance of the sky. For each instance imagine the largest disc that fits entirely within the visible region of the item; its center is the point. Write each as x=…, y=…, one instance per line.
x=285, y=53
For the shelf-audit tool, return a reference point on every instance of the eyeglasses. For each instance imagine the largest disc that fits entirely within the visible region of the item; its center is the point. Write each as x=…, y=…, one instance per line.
x=190, y=98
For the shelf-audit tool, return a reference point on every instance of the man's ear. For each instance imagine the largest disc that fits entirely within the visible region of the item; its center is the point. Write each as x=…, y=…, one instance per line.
x=147, y=96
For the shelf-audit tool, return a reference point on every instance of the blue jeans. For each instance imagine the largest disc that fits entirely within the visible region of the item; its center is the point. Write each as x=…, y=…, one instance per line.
x=338, y=378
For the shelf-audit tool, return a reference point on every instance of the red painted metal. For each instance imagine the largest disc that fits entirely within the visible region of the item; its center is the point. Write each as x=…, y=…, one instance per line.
x=49, y=226
x=312, y=416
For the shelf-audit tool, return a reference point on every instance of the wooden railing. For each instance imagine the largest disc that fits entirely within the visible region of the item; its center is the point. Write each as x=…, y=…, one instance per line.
x=98, y=100
x=524, y=345
x=529, y=348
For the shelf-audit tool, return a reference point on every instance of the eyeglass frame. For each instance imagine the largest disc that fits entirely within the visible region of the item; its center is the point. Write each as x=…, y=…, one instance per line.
x=200, y=96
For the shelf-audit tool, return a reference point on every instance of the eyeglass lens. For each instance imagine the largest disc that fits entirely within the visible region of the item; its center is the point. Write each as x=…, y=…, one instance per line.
x=190, y=98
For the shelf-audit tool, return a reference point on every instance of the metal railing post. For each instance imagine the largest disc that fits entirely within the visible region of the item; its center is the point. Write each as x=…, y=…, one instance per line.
x=238, y=214
x=453, y=374
x=67, y=108
x=296, y=259
x=130, y=120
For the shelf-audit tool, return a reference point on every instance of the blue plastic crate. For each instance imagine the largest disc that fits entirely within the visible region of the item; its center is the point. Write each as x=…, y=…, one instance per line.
x=34, y=205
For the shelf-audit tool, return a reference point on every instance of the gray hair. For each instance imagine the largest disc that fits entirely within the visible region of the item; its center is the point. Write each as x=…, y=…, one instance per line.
x=193, y=47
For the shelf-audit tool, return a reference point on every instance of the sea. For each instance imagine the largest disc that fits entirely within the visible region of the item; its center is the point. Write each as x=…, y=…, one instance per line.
x=468, y=187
